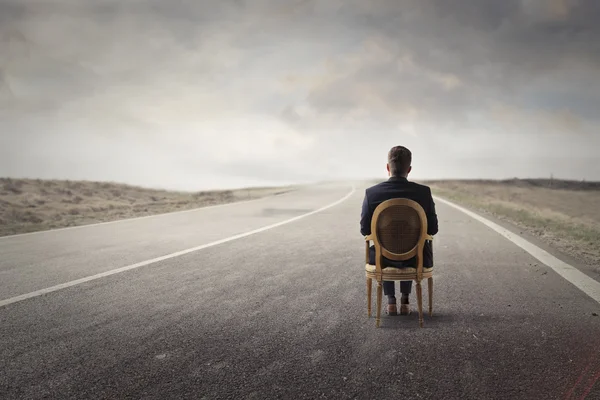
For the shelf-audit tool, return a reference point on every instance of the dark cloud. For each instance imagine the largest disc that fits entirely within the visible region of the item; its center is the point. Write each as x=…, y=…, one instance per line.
x=468, y=55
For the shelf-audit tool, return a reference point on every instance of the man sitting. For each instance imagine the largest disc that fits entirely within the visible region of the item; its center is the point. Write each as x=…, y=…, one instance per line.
x=398, y=186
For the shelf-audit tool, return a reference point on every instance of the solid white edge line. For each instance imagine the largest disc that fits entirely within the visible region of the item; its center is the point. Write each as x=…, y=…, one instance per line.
x=145, y=216
x=583, y=282
x=168, y=256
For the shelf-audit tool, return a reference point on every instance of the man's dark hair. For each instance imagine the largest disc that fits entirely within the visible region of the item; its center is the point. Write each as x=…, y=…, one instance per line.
x=399, y=159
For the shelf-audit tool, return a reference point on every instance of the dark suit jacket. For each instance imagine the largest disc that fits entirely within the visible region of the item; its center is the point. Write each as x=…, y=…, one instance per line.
x=398, y=187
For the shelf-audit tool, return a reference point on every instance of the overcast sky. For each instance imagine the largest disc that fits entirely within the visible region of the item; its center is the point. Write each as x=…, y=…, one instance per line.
x=197, y=94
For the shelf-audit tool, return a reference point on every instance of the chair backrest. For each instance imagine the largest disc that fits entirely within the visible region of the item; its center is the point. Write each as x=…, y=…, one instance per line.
x=399, y=230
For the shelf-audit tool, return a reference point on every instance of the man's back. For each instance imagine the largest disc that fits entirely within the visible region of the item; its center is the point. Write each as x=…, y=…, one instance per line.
x=394, y=188
x=398, y=187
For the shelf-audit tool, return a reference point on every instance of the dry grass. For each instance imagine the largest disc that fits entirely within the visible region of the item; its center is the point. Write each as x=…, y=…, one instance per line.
x=28, y=205
x=564, y=214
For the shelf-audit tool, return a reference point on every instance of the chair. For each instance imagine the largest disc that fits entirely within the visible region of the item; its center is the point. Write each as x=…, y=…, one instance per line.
x=398, y=232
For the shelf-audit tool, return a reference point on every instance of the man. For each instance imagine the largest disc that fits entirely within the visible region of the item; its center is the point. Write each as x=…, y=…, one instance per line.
x=398, y=186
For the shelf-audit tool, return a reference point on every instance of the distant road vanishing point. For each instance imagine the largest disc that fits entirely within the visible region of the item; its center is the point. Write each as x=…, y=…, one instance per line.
x=267, y=299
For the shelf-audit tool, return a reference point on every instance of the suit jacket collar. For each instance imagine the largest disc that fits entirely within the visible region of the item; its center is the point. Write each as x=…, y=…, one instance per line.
x=397, y=179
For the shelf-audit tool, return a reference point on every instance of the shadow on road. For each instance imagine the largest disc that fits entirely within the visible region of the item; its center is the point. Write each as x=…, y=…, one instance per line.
x=447, y=319
x=412, y=321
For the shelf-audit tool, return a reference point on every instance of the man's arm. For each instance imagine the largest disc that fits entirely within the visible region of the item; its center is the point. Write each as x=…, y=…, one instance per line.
x=432, y=220
x=365, y=217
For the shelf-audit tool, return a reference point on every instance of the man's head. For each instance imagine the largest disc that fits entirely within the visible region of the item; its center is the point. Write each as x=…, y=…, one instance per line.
x=399, y=160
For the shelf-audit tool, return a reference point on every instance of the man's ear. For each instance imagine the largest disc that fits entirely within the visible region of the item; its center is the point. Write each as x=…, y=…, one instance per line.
x=409, y=169
x=387, y=166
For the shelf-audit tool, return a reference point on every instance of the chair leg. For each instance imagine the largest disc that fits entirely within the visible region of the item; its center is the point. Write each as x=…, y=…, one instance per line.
x=420, y=302
x=379, y=295
x=369, y=290
x=430, y=291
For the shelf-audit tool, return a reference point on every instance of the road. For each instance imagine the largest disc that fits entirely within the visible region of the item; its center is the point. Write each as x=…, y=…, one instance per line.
x=281, y=312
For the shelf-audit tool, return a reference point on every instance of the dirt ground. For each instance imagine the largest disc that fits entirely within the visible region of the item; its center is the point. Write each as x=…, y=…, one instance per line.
x=565, y=214
x=28, y=205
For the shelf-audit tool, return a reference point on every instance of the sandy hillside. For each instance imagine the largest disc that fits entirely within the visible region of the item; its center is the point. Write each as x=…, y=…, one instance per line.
x=565, y=214
x=28, y=205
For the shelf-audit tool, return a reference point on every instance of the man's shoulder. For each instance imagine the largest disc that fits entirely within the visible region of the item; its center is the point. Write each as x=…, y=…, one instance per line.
x=387, y=185
x=423, y=188
x=376, y=187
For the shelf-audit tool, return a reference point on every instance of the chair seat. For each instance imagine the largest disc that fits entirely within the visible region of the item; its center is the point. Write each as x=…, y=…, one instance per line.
x=397, y=272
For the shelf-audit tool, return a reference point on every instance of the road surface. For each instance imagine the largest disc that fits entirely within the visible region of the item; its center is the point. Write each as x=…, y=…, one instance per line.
x=281, y=312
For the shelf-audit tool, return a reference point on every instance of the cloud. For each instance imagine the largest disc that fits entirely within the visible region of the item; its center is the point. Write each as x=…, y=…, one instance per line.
x=296, y=89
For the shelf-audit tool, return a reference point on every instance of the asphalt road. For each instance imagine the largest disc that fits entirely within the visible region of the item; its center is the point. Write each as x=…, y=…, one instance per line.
x=282, y=313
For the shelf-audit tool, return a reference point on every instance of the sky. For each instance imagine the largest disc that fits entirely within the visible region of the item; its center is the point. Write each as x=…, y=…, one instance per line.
x=203, y=94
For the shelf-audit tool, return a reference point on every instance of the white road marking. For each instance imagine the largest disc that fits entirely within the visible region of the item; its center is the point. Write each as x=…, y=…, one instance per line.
x=145, y=216
x=168, y=256
x=583, y=282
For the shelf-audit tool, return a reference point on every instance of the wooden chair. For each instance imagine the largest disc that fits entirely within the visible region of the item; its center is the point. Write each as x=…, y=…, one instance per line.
x=398, y=232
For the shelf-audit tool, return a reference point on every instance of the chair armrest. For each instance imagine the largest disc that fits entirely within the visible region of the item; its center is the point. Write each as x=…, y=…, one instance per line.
x=429, y=237
x=368, y=237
